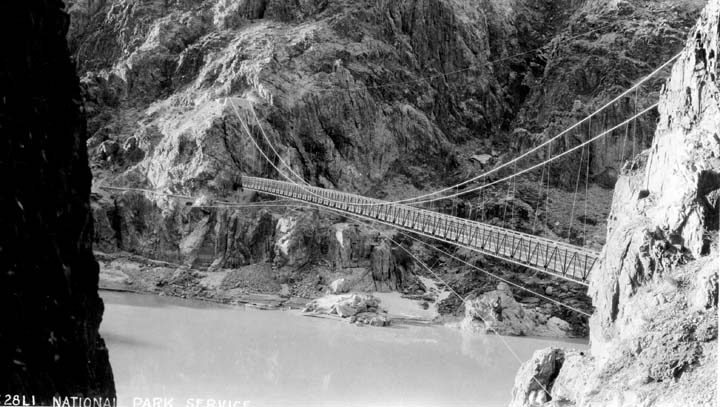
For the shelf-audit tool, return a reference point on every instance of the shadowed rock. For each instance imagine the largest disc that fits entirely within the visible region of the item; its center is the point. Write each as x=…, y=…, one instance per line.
x=49, y=339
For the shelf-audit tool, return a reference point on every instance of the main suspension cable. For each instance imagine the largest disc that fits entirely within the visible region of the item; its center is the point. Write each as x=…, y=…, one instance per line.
x=419, y=199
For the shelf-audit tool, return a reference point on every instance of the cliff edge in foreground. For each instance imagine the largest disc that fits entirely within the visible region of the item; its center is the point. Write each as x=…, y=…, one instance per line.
x=51, y=311
x=654, y=331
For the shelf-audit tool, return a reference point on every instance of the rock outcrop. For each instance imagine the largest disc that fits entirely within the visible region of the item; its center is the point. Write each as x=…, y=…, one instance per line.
x=48, y=276
x=358, y=308
x=498, y=312
x=654, y=332
x=667, y=215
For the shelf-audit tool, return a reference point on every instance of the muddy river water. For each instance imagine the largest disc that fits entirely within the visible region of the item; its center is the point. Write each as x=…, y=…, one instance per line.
x=188, y=353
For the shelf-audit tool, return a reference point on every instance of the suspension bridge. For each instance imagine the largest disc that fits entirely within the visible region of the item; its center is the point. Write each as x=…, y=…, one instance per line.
x=556, y=258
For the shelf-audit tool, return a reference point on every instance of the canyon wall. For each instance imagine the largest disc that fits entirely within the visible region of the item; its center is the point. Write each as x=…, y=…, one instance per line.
x=655, y=288
x=387, y=99
x=48, y=280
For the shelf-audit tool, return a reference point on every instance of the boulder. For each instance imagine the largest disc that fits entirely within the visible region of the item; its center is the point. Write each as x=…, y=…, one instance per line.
x=356, y=303
x=361, y=307
x=498, y=312
x=371, y=318
x=339, y=286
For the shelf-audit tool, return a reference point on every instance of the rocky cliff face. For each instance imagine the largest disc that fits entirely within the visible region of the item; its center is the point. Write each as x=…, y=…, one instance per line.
x=655, y=289
x=48, y=280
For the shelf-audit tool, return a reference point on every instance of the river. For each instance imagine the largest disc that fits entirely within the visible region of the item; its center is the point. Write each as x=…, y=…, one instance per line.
x=200, y=353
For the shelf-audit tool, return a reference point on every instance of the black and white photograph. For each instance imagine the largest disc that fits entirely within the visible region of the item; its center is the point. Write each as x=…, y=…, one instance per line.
x=351, y=203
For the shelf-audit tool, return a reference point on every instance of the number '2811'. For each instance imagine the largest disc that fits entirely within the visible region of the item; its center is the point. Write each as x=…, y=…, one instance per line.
x=17, y=400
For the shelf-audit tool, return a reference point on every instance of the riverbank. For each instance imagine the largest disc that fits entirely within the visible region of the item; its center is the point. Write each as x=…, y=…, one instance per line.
x=251, y=286
x=260, y=286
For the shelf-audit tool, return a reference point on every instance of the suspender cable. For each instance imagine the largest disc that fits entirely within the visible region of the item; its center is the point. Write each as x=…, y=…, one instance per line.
x=587, y=183
x=635, y=123
x=547, y=193
x=577, y=185
x=622, y=150
x=505, y=205
x=539, y=198
x=482, y=202
x=514, y=190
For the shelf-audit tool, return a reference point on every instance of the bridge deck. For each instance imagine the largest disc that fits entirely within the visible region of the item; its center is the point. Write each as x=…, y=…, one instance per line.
x=557, y=258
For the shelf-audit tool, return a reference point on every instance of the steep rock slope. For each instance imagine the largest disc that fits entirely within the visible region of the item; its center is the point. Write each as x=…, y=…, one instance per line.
x=48, y=281
x=655, y=289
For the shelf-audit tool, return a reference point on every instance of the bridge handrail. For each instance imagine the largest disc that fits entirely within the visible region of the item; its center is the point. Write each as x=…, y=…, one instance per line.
x=432, y=213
